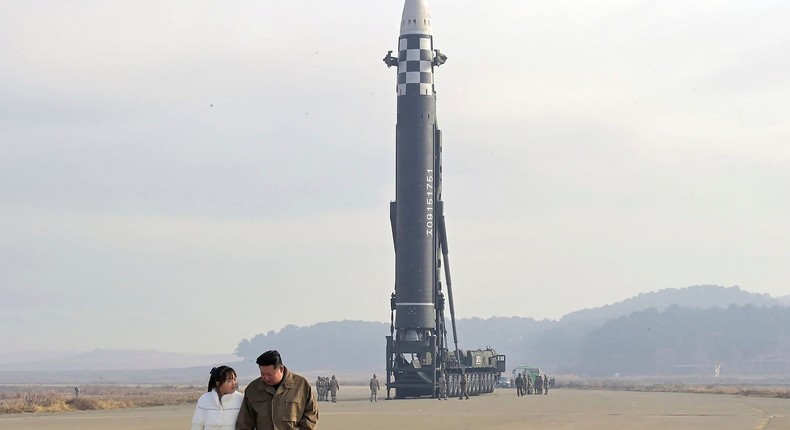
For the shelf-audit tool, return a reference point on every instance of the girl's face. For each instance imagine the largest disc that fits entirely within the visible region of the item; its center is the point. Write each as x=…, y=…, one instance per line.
x=228, y=386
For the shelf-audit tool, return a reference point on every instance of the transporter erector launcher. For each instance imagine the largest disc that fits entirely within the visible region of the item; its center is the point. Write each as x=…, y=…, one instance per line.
x=417, y=350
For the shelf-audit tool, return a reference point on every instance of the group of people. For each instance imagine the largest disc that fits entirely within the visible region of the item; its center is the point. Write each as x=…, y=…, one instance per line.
x=525, y=384
x=279, y=399
x=443, y=384
x=325, y=387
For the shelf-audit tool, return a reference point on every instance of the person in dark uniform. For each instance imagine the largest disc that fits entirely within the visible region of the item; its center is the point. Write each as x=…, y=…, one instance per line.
x=519, y=385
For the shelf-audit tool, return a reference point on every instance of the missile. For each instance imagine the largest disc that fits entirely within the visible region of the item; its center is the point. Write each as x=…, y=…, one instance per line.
x=417, y=347
x=417, y=303
x=415, y=191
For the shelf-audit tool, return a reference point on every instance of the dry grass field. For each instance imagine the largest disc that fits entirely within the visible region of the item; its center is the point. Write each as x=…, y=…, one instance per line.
x=776, y=389
x=43, y=399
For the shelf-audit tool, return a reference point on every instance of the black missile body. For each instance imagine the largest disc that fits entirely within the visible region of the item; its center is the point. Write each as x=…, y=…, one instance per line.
x=417, y=351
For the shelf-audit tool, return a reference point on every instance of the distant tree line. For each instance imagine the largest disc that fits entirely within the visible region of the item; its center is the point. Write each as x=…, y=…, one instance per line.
x=684, y=340
x=332, y=346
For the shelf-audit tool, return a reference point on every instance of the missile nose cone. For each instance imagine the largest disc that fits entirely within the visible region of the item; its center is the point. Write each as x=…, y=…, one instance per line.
x=416, y=18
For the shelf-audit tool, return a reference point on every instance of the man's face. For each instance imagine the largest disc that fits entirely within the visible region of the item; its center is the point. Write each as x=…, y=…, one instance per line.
x=271, y=375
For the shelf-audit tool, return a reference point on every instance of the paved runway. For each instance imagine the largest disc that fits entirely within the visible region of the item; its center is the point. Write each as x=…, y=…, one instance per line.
x=561, y=409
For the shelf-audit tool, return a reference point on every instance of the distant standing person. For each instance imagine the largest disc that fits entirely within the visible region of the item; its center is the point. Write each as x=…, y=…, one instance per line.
x=519, y=385
x=323, y=394
x=538, y=384
x=463, y=386
x=218, y=407
x=334, y=387
x=322, y=391
x=76, y=391
x=374, y=389
x=545, y=384
x=278, y=400
x=442, y=382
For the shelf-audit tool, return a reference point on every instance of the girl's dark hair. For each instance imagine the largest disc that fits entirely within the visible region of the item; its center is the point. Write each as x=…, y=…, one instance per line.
x=218, y=376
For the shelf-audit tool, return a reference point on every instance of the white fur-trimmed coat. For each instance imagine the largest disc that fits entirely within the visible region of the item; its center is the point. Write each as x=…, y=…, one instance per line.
x=210, y=414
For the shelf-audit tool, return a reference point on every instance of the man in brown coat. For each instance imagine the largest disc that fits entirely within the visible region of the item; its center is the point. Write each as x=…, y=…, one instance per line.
x=278, y=400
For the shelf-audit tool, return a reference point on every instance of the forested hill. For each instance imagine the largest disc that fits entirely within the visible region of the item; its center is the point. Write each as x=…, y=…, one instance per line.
x=743, y=340
x=701, y=296
x=675, y=331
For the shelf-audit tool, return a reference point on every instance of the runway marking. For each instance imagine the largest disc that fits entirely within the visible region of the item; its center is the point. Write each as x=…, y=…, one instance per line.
x=765, y=421
x=763, y=424
x=685, y=415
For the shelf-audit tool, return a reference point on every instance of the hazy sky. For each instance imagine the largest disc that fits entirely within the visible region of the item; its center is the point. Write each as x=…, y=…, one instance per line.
x=592, y=151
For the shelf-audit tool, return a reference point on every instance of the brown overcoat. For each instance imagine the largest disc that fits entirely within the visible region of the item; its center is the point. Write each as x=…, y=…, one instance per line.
x=291, y=406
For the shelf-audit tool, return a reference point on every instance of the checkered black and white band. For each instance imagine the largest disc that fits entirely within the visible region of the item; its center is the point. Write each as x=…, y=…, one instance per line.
x=415, y=65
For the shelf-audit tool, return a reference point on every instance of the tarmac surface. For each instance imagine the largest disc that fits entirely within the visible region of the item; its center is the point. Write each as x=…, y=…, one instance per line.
x=560, y=409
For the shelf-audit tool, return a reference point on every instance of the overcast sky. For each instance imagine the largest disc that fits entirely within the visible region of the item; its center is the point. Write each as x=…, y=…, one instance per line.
x=181, y=175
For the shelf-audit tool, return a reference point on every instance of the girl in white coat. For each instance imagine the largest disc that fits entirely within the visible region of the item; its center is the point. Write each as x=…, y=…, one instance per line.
x=218, y=408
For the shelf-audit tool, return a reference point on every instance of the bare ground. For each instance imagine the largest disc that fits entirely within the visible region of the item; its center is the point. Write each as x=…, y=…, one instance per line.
x=561, y=409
